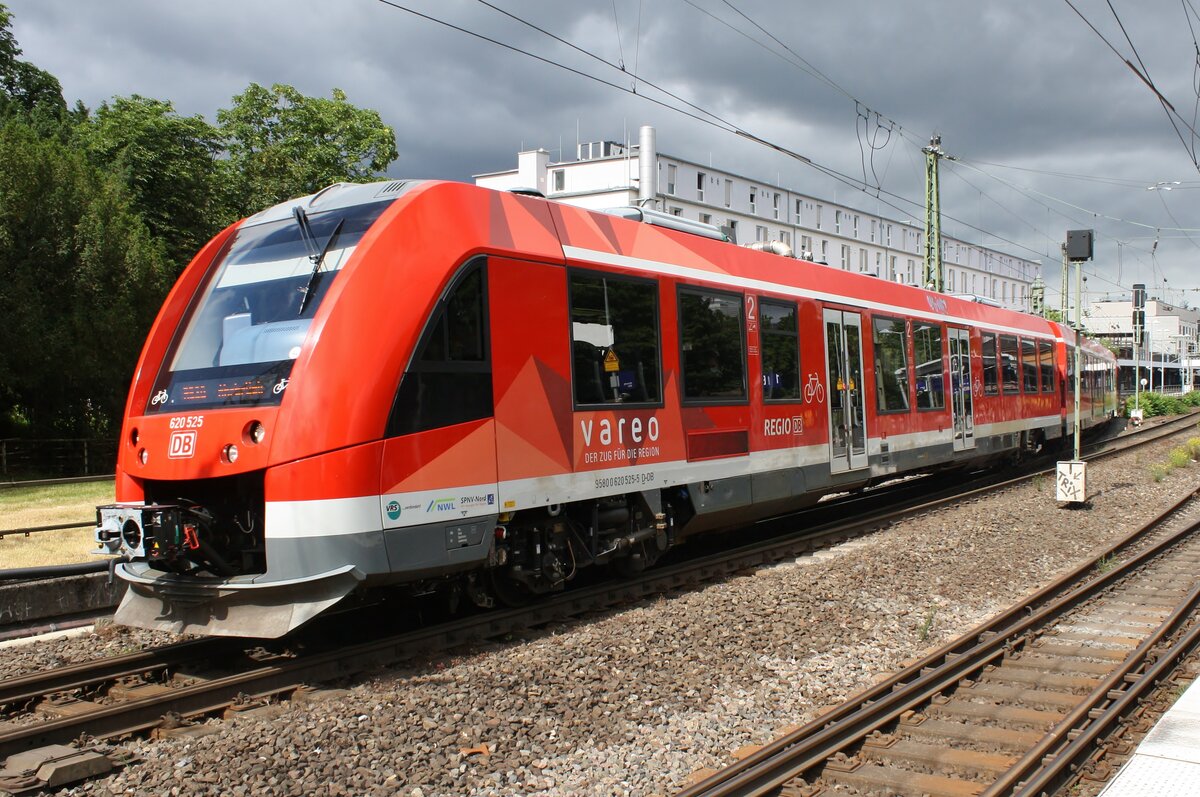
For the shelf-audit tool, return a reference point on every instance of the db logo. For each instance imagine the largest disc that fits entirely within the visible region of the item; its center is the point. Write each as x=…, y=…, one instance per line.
x=183, y=445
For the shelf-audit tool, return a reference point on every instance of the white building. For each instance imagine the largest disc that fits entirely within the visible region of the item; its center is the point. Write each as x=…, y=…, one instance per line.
x=1168, y=353
x=607, y=174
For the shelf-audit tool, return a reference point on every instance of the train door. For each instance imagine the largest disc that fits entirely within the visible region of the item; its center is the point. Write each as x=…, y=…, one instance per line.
x=960, y=389
x=847, y=420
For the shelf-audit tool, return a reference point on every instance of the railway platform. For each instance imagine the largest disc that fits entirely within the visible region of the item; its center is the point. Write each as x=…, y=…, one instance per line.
x=1167, y=762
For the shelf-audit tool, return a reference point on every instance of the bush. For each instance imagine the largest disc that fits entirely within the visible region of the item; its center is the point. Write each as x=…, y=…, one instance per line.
x=1180, y=457
x=1157, y=404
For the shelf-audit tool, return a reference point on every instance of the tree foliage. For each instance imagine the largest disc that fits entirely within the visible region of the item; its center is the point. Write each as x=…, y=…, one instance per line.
x=80, y=280
x=169, y=165
x=282, y=144
x=99, y=212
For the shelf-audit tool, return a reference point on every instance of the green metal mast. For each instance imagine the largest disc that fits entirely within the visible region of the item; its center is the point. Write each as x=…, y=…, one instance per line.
x=933, y=216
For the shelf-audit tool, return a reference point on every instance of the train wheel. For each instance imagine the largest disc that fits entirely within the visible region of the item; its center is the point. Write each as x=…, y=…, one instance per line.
x=508, y=592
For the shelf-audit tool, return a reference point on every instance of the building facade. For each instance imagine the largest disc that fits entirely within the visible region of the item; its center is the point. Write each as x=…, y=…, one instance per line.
x=607, y=174
x=1167, y=355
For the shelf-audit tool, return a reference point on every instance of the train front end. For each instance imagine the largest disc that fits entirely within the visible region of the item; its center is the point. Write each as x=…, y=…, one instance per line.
x=204, y=413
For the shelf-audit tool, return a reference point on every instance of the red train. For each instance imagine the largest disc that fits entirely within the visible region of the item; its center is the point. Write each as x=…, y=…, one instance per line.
x=444, y=387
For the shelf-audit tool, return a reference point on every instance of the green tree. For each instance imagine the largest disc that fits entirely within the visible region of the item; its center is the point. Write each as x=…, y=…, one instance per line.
x=80, y=281
x=169, y=165
x=26, y=91
x=282, y=144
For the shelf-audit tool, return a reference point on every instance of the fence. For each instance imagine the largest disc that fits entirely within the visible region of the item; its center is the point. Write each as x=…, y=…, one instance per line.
x=55, y=458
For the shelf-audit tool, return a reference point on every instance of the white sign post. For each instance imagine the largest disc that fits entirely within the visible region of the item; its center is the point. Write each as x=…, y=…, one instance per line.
x=1071, y=482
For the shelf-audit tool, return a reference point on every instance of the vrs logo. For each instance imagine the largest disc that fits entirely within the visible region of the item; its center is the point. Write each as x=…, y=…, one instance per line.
x=183, y=445
x=393, y=510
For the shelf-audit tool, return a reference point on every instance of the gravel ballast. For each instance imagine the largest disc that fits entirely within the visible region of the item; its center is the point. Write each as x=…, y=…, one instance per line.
x=632, y=702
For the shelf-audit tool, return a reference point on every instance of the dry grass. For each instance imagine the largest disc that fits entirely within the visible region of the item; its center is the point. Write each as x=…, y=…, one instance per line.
x=24, y=507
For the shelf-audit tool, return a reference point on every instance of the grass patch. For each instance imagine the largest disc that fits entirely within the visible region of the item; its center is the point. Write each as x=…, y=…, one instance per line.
x=1160, y=471
x=24, y=507
x=1180, y=457
x=926, y=625
x=1106, y=563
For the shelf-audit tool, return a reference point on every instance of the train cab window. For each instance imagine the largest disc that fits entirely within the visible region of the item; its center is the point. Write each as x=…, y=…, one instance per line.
x=614, y=339
x=991, y=364
x=891, y=365
x=1045, y=350
x=1009, y=374
x=711, y=348
x=927, y=355
x=1029, y=369
x=449, y=381
x=780, y=343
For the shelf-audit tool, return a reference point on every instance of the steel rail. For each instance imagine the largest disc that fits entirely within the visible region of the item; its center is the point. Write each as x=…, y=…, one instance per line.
x=786, y=758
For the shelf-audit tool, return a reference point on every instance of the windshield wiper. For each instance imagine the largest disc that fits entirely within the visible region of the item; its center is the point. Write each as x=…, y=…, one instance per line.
x=316, y=256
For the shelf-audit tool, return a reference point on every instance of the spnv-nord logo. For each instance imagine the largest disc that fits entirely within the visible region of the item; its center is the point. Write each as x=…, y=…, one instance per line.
x=393, y=510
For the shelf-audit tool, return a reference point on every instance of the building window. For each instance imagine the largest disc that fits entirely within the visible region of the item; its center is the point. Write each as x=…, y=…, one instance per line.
x=753, y=198
x=862, y=260
x=706, y=218
x=891, y=268
x=761, y=233
x=728, y=193
x=614, y=339
x=825, y=252
x=780, y=351
x=676, y=211
x=700, y=185
x=560, y=179
x=845, y=258
x=798, y=216
x=806, y=245
x=786, y=237
x=878, y=263
x=837, y=222
x=732, y=225
x=911, y=271
x=710, y=339
x=856, y=226
x=775, y=205
x=818, y=225
x=950, y=281
x=873, y=223
x=927, y=353
x=891, y=365
x=889, y=235
x=672, y=173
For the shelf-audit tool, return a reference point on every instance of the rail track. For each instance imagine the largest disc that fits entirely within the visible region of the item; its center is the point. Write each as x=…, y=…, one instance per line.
x=1017, y=706
x=132, y=694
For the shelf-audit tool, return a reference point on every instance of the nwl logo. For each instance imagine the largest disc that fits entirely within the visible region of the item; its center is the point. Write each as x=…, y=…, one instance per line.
x=183, y=445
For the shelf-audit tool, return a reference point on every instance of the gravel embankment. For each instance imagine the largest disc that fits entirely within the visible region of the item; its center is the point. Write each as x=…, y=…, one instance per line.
x=634, y=701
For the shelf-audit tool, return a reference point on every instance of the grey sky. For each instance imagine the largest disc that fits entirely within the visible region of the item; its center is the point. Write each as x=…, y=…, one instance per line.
x=1026, y=85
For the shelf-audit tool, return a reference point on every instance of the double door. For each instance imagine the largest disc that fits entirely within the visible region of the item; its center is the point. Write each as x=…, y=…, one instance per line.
x=847, y=419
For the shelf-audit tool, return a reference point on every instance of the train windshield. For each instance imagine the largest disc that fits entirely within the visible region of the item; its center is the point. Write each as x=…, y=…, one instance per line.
x=241, y=338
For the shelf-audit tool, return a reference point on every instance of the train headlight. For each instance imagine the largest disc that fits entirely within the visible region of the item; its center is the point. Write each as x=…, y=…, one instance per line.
x=143, y=456
x=254, y=433
x=134, y=437
x=230, y=453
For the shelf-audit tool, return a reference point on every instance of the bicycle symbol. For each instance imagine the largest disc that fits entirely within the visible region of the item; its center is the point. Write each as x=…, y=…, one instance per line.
x=159, y=398
x=280, y=386
x=814, y=390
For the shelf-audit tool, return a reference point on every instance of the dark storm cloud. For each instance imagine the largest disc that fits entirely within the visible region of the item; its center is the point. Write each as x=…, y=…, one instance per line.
x=1023, y=84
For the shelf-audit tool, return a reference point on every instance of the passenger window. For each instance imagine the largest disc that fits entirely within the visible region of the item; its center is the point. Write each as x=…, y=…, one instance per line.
x=710, y=339
x=927, y=353
x=1009, y=375
x=614, y=339
x=780, y=342
x=991, y=364
x=449, y=381
x=1029, y=370
x=1046, y=365
x=891, y=365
